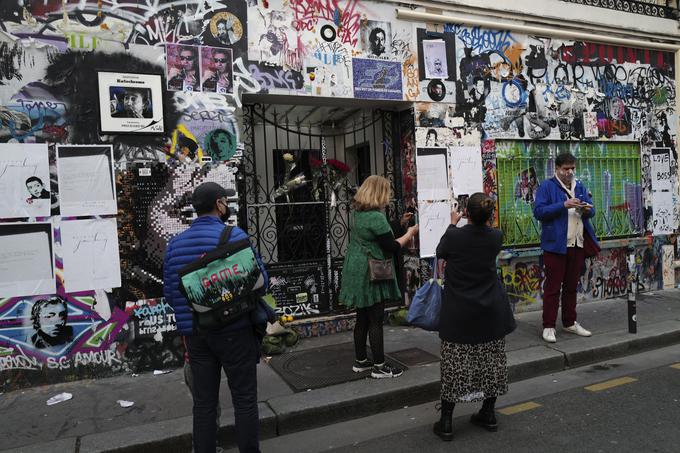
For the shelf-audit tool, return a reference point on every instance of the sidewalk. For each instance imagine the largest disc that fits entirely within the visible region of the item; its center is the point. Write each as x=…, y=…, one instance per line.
x=160, y=419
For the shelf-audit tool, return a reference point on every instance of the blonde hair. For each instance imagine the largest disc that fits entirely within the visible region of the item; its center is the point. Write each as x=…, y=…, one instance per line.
x=374, y=193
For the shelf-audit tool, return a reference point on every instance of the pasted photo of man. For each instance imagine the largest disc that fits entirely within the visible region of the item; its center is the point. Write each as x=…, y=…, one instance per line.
x=219, y=77
x=49, y=321
x=36, y=189
x=130, y=102
x=431, y=139
x=182, y=65
x=436, y=66
x=377, y=38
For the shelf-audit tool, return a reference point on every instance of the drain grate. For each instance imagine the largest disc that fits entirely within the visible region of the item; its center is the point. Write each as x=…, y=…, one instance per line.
x=319, y=367
x=413, y=357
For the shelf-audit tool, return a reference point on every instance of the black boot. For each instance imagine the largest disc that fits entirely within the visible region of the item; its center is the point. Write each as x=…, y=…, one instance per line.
x=444, y=427
x=486, y=417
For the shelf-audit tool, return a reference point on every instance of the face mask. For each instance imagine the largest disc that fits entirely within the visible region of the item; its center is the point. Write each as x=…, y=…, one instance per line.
x=224, y=217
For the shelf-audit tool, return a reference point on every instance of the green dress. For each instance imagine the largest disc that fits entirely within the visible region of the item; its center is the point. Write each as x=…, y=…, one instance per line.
x=357, y=291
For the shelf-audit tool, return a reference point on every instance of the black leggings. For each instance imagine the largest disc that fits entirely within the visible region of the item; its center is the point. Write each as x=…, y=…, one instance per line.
x=370, y=324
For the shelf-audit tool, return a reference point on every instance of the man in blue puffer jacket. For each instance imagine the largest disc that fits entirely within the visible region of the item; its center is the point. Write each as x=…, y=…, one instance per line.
x=233, y=347
x=564, y=207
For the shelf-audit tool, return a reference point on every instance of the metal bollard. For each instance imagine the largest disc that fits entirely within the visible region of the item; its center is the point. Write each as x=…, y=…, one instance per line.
x=632, y=291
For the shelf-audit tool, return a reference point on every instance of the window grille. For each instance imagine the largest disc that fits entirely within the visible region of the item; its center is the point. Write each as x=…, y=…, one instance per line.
x=610, y=171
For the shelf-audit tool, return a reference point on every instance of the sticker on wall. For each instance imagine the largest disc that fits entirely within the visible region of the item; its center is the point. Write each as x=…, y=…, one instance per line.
x=24, y=180
x=436, y=90
x=130, y=103
x=86, y=181
x=26, y=259
x=226, y=28
x=376, y=79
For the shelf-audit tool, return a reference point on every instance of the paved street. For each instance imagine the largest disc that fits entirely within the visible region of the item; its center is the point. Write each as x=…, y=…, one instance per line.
x=625, y=405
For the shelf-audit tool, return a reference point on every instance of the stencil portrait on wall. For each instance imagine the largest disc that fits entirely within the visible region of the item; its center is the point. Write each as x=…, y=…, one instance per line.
x=130, y=103
x=376, y=38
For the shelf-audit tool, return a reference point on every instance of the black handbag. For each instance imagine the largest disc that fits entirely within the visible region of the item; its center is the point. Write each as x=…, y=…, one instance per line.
x=378, y=270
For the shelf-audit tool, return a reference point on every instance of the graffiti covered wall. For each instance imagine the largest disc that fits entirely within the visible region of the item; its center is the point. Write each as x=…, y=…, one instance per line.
x=532, y=97
x=90, y=325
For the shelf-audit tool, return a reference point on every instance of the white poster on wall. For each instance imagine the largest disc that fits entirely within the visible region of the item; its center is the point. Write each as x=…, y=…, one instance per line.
x=24, y=180
x=431, y=174
x=663, y=212
x=86, y=183
x=434, y=217
x=26, y=259
x=466, y=169
x=434, y=56
x=89, y=249
x=661, y=169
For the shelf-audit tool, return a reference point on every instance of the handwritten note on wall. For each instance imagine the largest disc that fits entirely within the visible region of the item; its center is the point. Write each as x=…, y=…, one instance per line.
x=90, y=254
x=466, y=169
x=86, y=180
x=661, y=169
x=663, y=206
x=434, y=218
x=431, y=173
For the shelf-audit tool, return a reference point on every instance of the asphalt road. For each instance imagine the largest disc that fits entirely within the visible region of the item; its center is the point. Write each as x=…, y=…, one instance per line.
x=633, y=406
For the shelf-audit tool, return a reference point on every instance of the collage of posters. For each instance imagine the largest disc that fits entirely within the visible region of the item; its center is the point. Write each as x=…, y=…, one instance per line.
x=199, y=68
x=31, y=240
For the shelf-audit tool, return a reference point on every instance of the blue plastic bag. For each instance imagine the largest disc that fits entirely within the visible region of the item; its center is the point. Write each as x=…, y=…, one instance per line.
x=426, y=304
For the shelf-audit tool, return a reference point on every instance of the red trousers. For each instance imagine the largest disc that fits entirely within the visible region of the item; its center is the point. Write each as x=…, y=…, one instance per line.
x=562, y=273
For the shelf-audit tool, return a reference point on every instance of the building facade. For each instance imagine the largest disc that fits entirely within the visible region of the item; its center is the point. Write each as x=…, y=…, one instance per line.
x=293, y=103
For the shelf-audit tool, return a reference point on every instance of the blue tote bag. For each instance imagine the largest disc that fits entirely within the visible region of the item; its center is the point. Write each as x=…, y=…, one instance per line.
x=426, y=304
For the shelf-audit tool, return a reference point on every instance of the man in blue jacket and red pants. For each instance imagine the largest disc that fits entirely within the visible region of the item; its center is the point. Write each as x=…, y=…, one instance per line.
x=564, y=207
x=234, y=348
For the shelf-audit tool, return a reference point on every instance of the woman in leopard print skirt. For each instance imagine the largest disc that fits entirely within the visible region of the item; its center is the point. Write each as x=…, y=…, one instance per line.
x=475, y=317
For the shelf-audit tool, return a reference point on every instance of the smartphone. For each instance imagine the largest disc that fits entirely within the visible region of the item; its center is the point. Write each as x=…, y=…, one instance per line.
x=414, y=218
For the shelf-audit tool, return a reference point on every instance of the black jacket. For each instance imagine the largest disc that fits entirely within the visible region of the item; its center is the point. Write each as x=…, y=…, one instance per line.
x=475, y=308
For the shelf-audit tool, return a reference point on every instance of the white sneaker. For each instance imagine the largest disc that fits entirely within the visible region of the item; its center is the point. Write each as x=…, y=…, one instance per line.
x=578, y=330
x=549, y=335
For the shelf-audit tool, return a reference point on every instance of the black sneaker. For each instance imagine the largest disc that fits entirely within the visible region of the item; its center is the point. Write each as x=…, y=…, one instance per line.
x=362, y=365
x=384, y=370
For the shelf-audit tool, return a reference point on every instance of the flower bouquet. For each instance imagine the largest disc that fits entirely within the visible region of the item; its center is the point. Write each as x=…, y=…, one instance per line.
x=291, y=182
x=337, y=176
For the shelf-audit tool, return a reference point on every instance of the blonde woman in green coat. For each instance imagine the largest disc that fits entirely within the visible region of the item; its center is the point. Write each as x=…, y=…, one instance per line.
x=370, y=234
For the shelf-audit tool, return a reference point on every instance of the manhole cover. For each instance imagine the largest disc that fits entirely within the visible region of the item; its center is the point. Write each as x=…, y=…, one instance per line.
x=318, y=367
x=413, y=357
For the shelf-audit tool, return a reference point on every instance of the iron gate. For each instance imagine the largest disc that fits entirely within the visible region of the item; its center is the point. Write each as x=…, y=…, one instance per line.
x=300, y=169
